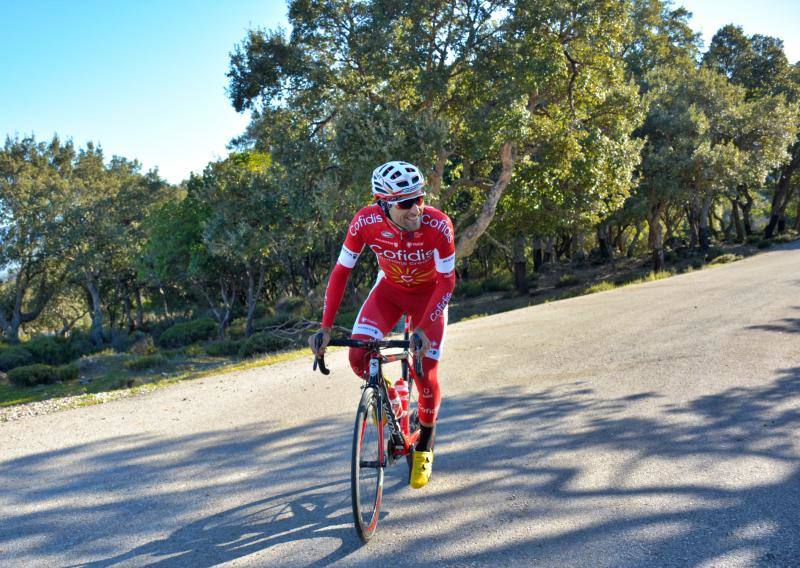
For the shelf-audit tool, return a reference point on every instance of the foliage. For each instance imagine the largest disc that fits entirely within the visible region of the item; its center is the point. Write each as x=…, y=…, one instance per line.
x=498, y=283
x=726, y=258
x=262, y=343
x=50, y=350
x=600, y=287
x=40, y=374
x=469, y=289
x=186, y=333
x=14, y=356
x=146, y=362
x=226, y=348
x=567, y=280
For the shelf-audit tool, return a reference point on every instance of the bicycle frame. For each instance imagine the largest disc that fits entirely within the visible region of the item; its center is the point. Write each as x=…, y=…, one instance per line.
x=375, y=406
x=403, y=438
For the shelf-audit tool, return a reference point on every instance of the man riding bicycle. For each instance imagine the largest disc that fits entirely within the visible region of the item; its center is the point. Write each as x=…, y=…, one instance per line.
x=415, y=247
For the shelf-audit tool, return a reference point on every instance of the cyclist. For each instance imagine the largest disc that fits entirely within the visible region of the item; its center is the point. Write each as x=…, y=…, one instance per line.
x=414, y=244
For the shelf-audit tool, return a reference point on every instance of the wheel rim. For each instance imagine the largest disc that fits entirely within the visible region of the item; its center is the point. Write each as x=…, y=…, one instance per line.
x=368, y=469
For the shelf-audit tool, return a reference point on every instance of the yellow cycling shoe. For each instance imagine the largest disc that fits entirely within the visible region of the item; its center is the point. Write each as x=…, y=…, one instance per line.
x=421, y=469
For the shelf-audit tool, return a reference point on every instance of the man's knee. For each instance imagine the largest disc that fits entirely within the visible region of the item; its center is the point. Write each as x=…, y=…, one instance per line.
x=358, y=361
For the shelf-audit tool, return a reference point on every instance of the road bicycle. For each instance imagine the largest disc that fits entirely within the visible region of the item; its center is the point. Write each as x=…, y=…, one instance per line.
x=380, y=438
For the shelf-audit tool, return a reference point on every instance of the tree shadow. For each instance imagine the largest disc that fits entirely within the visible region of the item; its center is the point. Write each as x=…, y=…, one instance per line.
x=543, y=476
x=786, y=325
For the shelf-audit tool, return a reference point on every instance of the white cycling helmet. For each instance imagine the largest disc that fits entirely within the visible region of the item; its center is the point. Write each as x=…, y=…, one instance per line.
x=396, y=181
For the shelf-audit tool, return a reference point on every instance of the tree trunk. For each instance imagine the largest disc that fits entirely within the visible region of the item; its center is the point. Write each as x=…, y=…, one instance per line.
x=137, y=296
x=693, y=216
x=603, y=241
x=579, y=257
x=783, y=193
x=548, y=249
x=127, y=307
x=163, y=294
x=797, y=216
x=96, y=310
x=746, y=206
x=704, y=229
x=632, y=247
x=656, y=237
x=737, y=223
x=520, y=265
x=255, y=281
x=538, y=256
x=466, y=243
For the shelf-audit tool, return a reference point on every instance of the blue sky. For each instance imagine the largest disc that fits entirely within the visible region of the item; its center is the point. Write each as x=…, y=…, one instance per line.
x=146, y=79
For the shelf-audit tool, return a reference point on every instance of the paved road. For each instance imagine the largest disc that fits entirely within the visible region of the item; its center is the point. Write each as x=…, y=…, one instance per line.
x=650, y=426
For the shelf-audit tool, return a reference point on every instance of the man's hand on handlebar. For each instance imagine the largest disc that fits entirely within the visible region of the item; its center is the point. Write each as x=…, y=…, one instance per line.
x=319, y=341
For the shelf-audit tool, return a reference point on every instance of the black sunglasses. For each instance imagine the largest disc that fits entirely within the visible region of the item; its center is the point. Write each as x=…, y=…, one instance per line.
x=409, y=203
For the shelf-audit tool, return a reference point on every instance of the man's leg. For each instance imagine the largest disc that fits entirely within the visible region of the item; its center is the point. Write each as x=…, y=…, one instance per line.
x=429, y=401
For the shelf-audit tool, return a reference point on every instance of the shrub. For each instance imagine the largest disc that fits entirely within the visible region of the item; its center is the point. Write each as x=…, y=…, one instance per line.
x=146, y=362
x=784, y=238
x=12, y=357
x=726, y=258
x=39, y=374
x=567, y=280
x=281, y=318
x=291, y=305
x=764, y=244
x=143, y=345
x=625, y=279
x=345, y=318
x=81, y=345
x=262, y=343
x=227, y=348
x=188, y=332
x=753, y=239
x=469, y=288
x=600, y=287
x=49, y=350
x=713, y=252
x=498, y=283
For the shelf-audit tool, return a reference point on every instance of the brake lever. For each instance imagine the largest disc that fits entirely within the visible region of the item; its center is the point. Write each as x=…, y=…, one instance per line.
x=320, y=359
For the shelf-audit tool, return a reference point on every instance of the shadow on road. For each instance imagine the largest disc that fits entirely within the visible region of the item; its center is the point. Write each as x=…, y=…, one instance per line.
x=687, y=485
x=786, y=325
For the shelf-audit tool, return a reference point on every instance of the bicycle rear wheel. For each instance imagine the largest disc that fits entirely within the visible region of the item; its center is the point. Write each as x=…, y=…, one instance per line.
x=367, y=465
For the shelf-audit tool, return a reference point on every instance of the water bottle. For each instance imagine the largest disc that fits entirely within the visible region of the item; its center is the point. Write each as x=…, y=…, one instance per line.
x=401, y=388
x=394, y=400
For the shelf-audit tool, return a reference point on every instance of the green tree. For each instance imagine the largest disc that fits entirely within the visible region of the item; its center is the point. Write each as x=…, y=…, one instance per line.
x=759, y=64
x=109, y=204
x=244, y=223
x=464, y=89
x=34, y=192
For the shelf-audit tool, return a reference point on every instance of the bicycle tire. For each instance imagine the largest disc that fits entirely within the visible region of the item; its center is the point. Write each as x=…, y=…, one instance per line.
x=367, y=464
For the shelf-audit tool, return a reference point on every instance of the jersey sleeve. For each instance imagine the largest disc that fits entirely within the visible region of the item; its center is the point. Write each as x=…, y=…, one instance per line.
x=444, y=255
x=348, y=256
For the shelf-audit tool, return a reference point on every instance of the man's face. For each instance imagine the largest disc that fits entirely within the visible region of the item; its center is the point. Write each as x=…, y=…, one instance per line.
x=408, y=213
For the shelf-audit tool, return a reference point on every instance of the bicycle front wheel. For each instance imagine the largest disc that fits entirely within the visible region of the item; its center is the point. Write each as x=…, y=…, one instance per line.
x=368, y=463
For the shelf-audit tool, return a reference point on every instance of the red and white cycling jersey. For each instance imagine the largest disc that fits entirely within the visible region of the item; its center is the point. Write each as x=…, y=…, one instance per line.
x=421, y=261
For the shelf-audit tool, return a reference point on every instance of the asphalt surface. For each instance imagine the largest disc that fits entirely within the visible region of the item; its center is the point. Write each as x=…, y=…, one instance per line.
x=655, y=425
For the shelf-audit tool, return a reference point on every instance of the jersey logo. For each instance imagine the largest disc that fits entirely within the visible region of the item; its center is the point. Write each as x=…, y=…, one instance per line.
x=440, y=225
x=363, y=221
x=387, y=234
x=408, y=276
